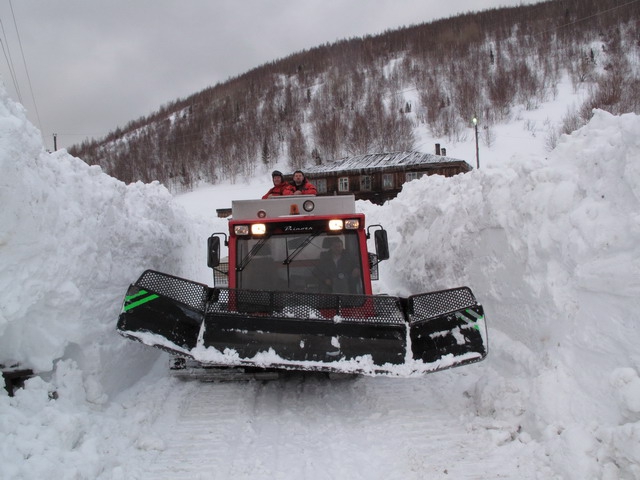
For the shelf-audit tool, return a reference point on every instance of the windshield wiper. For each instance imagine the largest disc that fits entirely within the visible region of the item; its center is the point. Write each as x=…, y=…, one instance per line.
x=300, y=247
x=252, y=253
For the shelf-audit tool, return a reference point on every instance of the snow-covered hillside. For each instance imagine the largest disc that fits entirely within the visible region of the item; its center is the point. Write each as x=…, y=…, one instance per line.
x=549, y=243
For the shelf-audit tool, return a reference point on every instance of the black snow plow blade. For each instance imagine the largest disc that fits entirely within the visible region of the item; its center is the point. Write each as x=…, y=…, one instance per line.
x=371, y=335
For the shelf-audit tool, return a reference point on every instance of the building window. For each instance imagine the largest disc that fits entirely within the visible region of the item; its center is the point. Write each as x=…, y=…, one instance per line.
x=412, y=176
x=343, y=184
x=321, y=185
x=365, y=183
x=387, y=181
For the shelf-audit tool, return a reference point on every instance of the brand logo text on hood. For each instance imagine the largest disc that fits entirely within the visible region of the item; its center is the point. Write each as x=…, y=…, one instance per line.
x=291, y=228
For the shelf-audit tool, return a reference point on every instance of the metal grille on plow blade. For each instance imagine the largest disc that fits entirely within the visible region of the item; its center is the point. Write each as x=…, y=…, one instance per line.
x=434, y=304
x=190, y=293
x=306, y=306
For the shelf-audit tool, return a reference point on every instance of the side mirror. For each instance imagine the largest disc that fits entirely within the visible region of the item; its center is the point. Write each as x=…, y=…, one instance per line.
x=382, y=244
x=213, y=251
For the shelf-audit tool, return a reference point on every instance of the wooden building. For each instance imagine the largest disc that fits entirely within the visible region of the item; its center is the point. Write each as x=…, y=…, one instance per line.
x=223, y=212
x=379, y=177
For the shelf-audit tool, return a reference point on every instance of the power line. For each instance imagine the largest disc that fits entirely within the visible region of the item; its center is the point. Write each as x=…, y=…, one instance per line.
x=7, y=56
x=578, y=20
x=33, y=98
x=600, y=13
x=81, y=134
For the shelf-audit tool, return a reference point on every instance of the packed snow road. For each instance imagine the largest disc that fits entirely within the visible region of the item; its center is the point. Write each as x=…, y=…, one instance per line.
x=309, y=426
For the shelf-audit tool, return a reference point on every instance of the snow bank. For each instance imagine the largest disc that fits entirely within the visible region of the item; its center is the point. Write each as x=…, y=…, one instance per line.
x=71, y=240
x=551, y=247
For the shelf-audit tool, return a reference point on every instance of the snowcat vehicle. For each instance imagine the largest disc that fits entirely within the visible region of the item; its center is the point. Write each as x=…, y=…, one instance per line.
x=283, y=302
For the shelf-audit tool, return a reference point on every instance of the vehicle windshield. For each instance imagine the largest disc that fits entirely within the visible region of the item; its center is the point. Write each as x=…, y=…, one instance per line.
x=318, y=263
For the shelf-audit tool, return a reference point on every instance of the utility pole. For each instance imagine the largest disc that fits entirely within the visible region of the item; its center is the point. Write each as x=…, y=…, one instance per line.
x=55, y=142
x=475, y=124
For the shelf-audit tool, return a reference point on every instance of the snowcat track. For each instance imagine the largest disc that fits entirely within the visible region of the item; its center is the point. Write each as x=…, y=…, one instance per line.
x=304, y=331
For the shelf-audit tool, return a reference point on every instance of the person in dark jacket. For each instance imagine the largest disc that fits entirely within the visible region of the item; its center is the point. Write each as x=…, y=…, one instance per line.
x=280, y=187
x=337, y=271
x=302, y=186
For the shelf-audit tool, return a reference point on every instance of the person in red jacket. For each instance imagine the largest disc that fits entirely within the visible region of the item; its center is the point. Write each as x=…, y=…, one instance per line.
x=302, y=186
x=280, y=187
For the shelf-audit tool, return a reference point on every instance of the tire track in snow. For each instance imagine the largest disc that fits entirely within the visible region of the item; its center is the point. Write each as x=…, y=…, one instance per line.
x=427, y=428
x=198, y=441
x=309, y=427
x=293, y=431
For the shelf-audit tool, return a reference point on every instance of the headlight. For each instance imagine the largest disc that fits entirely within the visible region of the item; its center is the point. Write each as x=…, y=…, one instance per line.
x=241, y=229
x=352, y=224
x=258, y=229
x=335, y=224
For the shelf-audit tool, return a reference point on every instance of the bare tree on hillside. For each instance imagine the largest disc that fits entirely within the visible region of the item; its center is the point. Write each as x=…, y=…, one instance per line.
x=501, y=88
x=297, y=149
x=359, y=140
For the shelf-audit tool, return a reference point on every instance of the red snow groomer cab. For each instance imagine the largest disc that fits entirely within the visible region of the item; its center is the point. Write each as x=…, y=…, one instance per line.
x=296, y=295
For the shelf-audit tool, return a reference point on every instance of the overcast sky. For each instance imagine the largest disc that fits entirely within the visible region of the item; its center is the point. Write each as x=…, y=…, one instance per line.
x=95, y=65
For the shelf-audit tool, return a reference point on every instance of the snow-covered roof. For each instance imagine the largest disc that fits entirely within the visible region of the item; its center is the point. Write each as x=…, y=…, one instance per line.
x=383, y=160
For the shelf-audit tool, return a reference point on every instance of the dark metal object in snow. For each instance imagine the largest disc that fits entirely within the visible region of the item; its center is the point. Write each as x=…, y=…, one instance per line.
x=14, y=377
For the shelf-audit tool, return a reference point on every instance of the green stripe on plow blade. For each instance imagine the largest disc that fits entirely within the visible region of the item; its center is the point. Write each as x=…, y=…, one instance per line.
x=128, y=304
x=139, y=294
x=469, y=316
